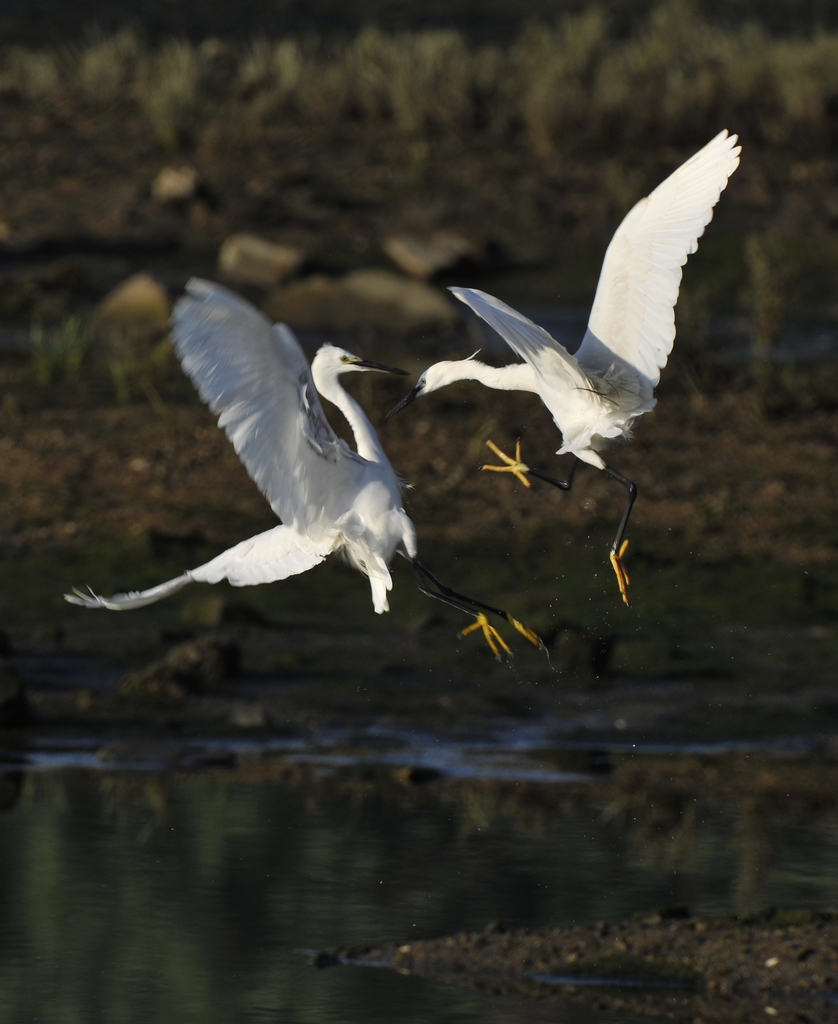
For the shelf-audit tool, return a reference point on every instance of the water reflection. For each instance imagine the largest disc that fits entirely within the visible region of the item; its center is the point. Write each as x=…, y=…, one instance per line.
x=157, y=898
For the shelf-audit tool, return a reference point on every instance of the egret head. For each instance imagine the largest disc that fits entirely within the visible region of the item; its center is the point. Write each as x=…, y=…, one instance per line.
x=438, y=375
x=331, y=359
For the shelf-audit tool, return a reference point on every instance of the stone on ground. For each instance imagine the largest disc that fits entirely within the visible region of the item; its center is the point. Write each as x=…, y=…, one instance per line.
x=249, y=259
x=424, y=256
x=367, y=298
x=138, y=302
x=176, y=184
x=191, y=667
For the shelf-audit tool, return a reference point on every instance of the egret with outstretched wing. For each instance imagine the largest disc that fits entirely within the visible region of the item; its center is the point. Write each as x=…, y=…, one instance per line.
x=596, y=395
x=254, y=376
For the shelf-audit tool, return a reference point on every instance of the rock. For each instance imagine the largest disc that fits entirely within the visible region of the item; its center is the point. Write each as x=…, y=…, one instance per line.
x=207, y=661
x=191, y=667
x=368, y=298
x=326, y=959
x=248, y=259
x=14, y=707
x=417, y=775
x=249, y=716
x=176, y=184
x=425, y=256
x=138, y=302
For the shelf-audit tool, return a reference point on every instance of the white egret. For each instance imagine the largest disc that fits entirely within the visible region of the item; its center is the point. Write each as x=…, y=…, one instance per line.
x=330, y=499
x=596, y=395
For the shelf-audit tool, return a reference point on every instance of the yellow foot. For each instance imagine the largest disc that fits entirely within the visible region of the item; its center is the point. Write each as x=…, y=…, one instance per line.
x=533, y=638
x=620, y=570
x=520, y=469
x=493, y=638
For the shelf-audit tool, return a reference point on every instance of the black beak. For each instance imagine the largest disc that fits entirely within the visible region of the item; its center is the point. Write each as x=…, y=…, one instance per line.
x=367, y=364
x=408, y=398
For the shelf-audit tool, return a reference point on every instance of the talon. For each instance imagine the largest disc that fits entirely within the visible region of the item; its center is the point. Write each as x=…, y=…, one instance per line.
x=533, y=638
x=493, y=638
x=515, y=466
x=620, y=572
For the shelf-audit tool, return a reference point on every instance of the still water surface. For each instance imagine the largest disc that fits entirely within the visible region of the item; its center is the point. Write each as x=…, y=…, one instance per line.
x=152, y=898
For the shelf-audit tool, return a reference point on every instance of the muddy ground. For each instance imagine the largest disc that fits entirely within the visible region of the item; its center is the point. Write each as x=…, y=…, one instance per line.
x=730, y=641
x=672, y=967
x=732, y=553
x=732, y=637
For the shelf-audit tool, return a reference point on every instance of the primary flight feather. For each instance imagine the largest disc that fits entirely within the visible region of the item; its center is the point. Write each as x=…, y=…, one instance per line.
x=596, y=395
x=254, y=376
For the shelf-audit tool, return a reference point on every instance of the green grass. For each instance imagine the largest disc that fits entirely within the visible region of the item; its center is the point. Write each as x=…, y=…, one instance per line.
x=58, y=353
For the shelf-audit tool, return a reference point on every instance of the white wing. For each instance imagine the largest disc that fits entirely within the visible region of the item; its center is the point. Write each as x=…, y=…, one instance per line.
x=265, y=558
x=132, y=599
x=255, y=376
x=632, y=321
x=531, y=342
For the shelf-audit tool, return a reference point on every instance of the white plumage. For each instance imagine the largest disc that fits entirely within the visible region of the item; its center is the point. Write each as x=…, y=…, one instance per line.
x=596, y=395
x=255, y=377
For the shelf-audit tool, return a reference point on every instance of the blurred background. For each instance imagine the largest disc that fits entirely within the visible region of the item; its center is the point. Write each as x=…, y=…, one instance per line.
x=340, y=165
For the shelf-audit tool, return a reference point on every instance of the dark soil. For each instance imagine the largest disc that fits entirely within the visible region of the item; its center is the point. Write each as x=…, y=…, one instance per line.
x=731, y=631
x=782, y=966
x=719, y=476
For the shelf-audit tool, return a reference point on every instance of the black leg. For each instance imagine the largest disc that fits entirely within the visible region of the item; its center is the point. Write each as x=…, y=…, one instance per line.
x=631, y=487
x=521, y=470
x=567, y=483
x=446, y=594
x=563, y=485
x=471, y=606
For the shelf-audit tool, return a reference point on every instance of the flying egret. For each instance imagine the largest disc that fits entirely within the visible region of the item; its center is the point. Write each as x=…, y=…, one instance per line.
x=330, y=498
x=596, y=395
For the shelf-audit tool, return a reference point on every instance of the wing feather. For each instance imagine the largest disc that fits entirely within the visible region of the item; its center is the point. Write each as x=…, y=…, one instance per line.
x=255, y=376
x=266, y=558
x=130, y=599
x=274, y=555
x=532, y=343
x=632, y=321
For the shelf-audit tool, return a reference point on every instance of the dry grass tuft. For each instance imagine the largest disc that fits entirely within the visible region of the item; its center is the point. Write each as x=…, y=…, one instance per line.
x=167, y=88
x=105, y=67
x=577, y=85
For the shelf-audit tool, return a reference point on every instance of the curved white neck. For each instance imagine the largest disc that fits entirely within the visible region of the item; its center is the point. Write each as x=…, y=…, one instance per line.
x=515, y=377
x=366, y=439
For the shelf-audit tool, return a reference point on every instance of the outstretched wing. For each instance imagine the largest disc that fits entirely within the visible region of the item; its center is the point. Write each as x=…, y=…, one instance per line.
x=632, y=321
x=255, y=377
x=265, y=558
x=531, y=342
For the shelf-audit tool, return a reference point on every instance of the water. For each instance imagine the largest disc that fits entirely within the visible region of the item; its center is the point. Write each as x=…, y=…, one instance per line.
x=147, y=897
